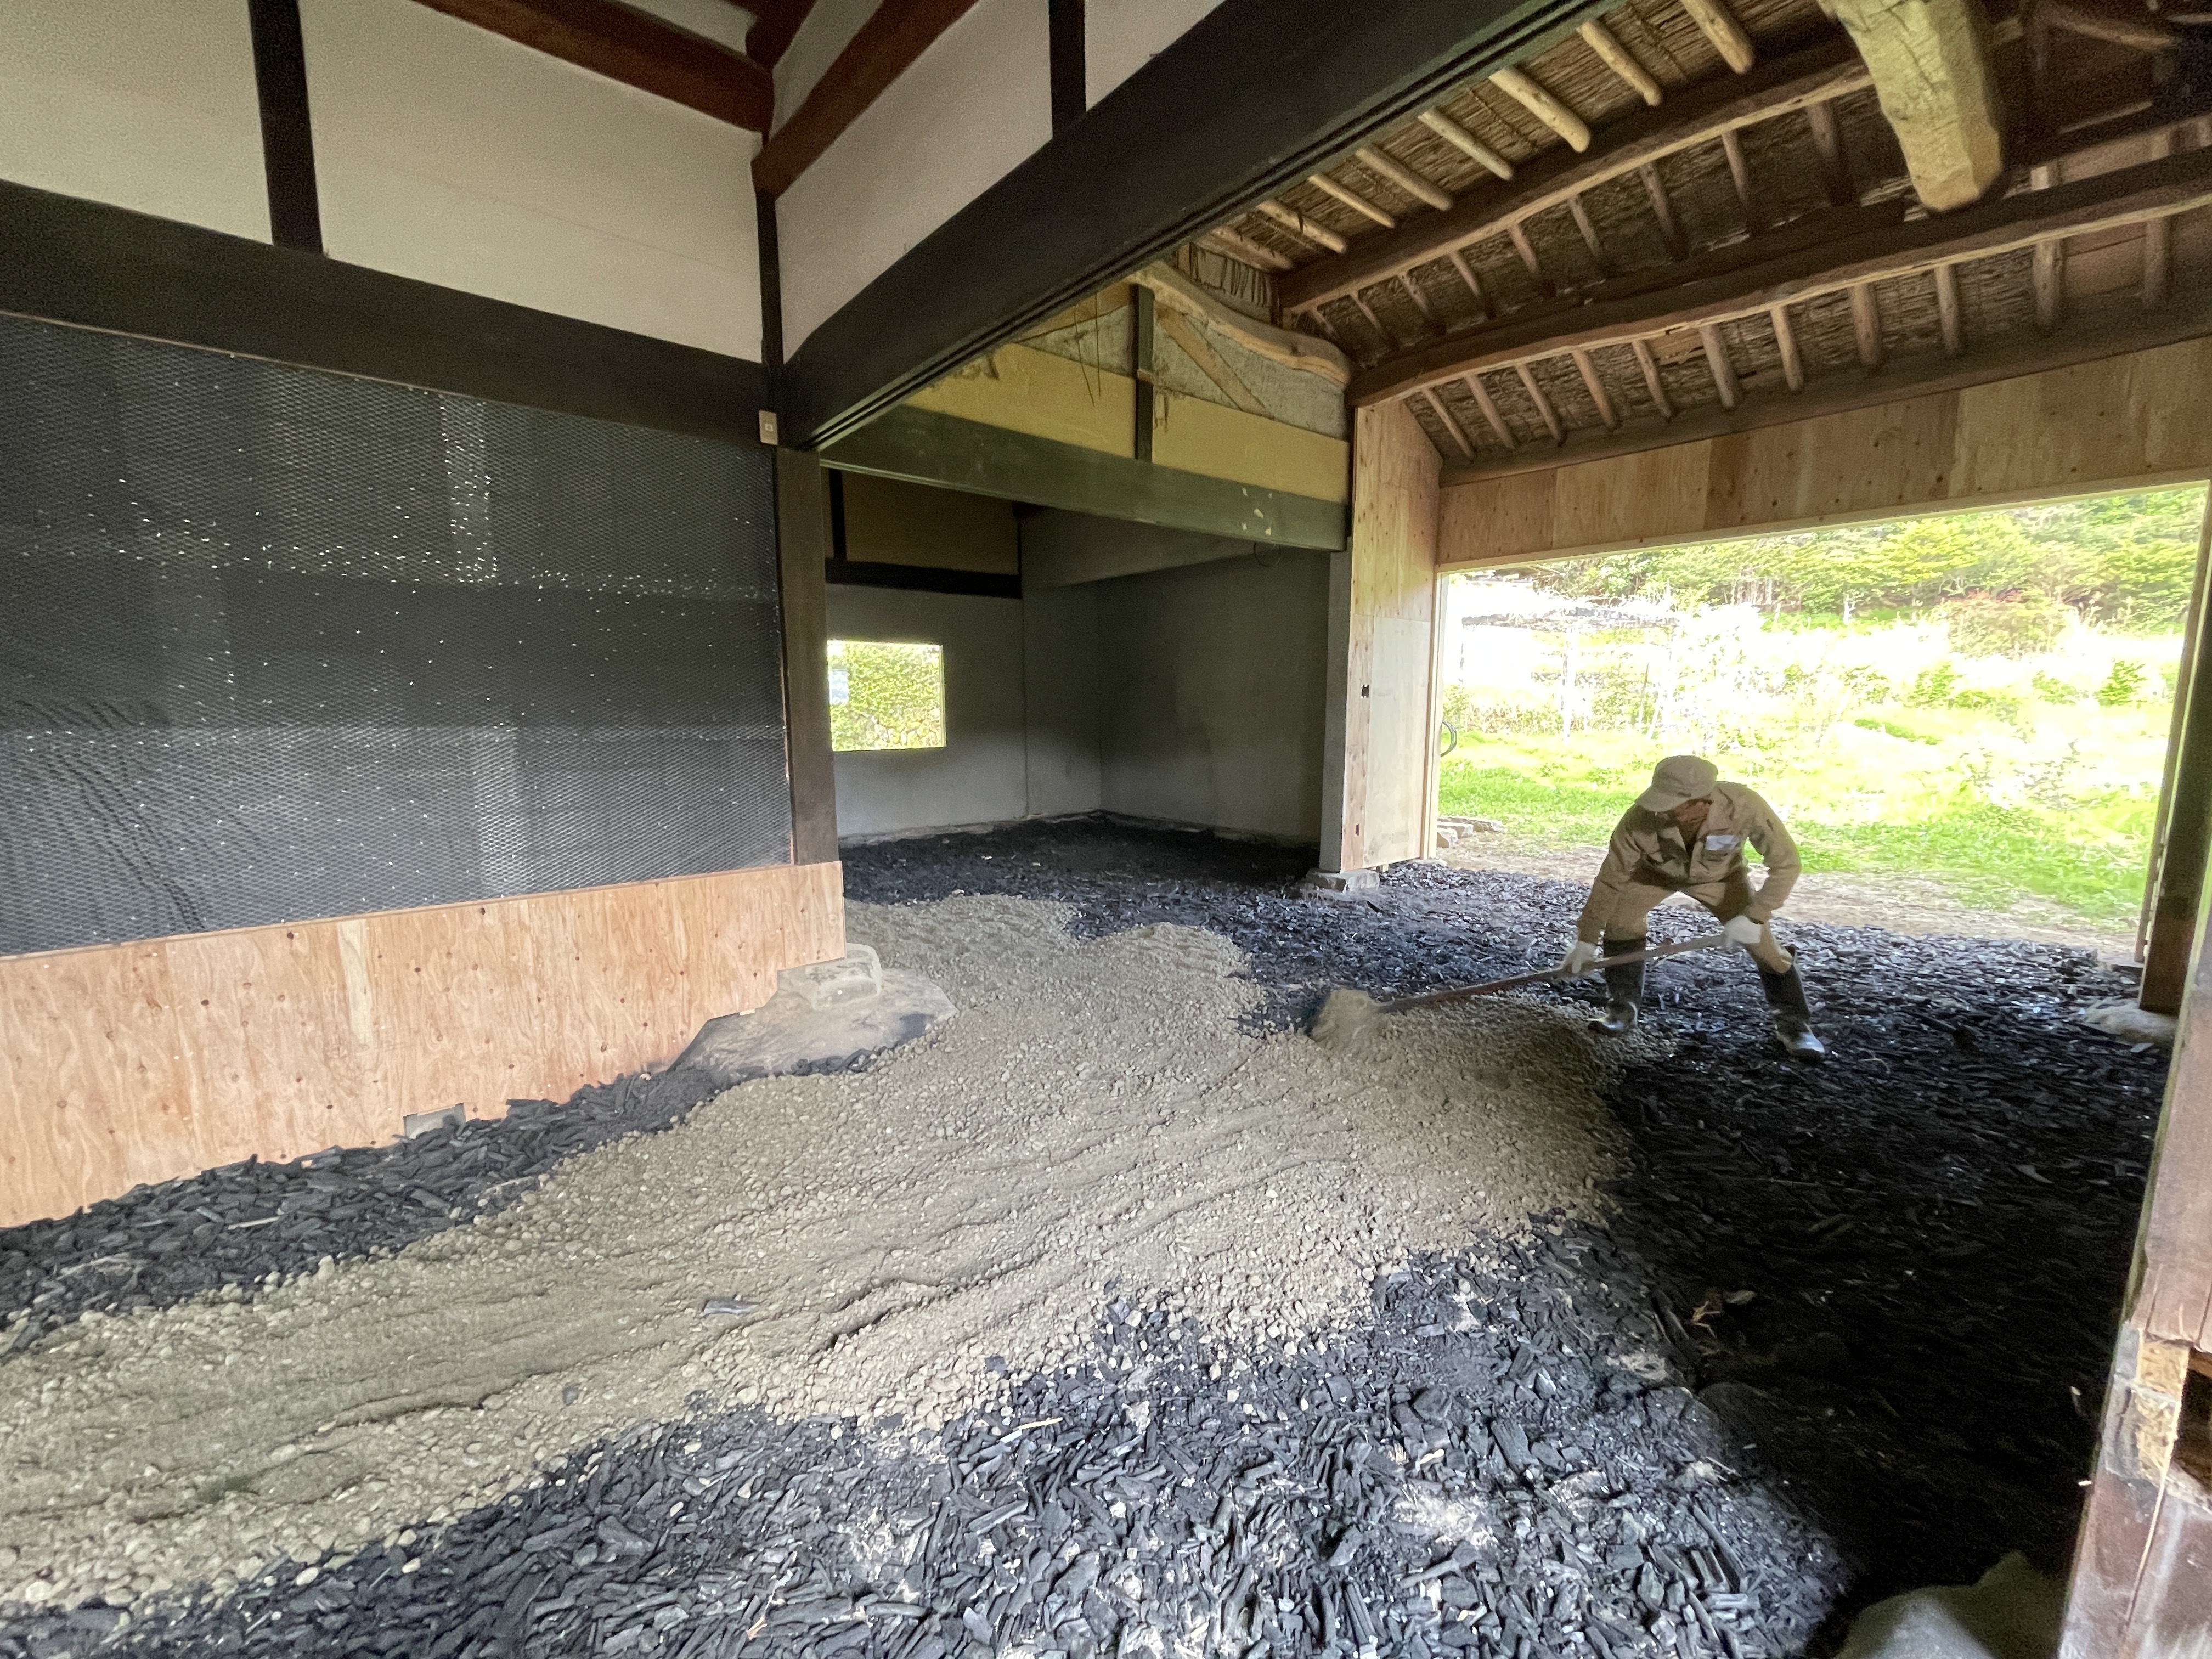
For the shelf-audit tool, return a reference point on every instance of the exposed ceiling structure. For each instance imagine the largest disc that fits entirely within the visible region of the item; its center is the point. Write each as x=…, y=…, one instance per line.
x=1699, y=214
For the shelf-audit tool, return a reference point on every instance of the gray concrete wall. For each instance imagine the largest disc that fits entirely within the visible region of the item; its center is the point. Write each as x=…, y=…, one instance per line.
x=980, y=775
x=1210, y=692
x=1191, y=693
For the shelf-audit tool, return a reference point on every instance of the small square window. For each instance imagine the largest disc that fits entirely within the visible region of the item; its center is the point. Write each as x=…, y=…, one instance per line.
x=886, y=697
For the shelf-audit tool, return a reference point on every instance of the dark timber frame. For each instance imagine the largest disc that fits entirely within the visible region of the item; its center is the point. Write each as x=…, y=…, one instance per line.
x=288, y=141
x=1257, y=94
x=924, y=446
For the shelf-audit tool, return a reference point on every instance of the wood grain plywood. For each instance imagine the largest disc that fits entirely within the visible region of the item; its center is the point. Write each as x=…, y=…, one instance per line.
x=2126, y=422
x=1505, y=519
x=142, y=1062
x=1656, y=492
x=1388, y=691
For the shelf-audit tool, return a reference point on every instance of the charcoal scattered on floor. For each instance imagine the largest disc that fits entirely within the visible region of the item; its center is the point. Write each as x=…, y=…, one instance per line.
x=1934, y=1231
x=1935, y=1228
x=1479, y=1469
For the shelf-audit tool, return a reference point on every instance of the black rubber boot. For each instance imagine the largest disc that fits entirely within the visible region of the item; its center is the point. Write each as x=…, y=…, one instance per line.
x=1623, y=988
x=1793, y=1018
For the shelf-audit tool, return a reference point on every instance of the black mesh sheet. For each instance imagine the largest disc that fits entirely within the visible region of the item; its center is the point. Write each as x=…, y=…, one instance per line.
x=276, y=644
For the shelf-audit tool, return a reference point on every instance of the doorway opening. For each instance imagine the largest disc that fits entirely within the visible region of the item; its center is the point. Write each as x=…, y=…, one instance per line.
x=1963, y=717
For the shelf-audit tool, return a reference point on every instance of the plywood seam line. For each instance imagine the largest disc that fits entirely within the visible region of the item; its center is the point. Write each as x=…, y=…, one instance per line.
x=287, y=138
x=632, y=47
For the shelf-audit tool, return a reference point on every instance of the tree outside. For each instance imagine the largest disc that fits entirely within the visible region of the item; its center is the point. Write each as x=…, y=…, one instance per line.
x=884, y=696
x=1981, y=699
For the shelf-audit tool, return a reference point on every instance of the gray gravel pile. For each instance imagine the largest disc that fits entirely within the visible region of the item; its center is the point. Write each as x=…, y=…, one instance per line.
x=156, y=1246
x=1496, y=1464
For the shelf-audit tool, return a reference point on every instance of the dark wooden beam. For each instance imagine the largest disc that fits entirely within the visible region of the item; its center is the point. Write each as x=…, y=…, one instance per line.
x=887, y=45
x=923, y=578
x=924, y=446
x=1256, y=95
x=67, y=260
x=775, y=26
x=287, y=142
x=803, y=547
x=2126, y=328
x=1070, y=85
x=2108, y=202
x=633, y=48
x=1697, y=116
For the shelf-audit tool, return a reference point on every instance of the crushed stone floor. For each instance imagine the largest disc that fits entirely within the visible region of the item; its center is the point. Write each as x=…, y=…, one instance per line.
x=1117, y=1317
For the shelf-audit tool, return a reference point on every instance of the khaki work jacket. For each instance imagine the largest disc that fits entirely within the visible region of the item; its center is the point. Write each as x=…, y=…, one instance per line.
x=1647, y=850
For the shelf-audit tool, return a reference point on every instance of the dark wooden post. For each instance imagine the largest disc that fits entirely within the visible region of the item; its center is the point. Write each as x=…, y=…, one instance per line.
x=802, y=520
x=2184, y=826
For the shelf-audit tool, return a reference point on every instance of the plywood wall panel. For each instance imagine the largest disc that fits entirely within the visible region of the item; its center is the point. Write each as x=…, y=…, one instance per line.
x=141, y=1062
x=1378, y=795
x=2129, y=421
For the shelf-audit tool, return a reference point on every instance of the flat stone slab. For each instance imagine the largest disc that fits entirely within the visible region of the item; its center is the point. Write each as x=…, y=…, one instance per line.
x=787, y=1033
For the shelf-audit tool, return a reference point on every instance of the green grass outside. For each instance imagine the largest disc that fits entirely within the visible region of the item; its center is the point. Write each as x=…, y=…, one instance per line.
x=2088, y=858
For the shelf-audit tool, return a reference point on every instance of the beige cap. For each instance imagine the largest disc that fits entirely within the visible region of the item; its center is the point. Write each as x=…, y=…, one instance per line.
x=1677, y=779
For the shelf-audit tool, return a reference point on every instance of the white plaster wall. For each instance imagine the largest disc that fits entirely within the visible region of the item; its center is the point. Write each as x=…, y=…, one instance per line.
x=448, y=153
x=148, y=104
x=828, y=30
x=1119, y=37
x=968, y=111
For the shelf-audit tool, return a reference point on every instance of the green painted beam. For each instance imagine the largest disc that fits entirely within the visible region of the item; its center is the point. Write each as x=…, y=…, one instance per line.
x=924, y=446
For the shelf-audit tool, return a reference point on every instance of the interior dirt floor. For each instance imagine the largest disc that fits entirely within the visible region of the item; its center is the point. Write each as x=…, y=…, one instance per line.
x=1118, y=1316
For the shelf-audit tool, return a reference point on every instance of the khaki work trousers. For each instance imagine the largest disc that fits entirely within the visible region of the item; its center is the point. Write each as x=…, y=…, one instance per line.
x=1728, y=898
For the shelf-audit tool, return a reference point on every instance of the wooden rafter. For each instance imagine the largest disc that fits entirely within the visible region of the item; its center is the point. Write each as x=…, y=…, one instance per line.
x=631, y=47
x=1826, y=264
x=1637, y=141
x=1593, y=383
x=1451, y=426
x=1616, y=58
x=886, y=45
x=1719, y=26
x=1237, y=245
x=1785, y=342
x=1544, y=410
x=1389, y=167
x=1488, y=406
x=1460, y=139
x=1297, y=224
x=1353, y=199
x=1546, y=106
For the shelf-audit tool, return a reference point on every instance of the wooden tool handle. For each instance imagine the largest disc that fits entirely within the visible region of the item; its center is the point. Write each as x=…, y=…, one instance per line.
x=1652, y=954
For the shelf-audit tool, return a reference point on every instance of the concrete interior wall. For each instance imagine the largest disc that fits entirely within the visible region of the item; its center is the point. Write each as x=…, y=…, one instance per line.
x=979, y=776
x=448, y=153
x=147, y=107
x=1210, y=681
x=1181, y=680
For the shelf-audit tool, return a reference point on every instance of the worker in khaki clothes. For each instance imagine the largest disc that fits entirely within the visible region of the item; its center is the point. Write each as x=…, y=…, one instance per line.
x=1685, y=834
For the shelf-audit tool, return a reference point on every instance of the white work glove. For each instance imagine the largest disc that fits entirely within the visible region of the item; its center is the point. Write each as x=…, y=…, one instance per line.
x=1742, y=930
x=1580, y=955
